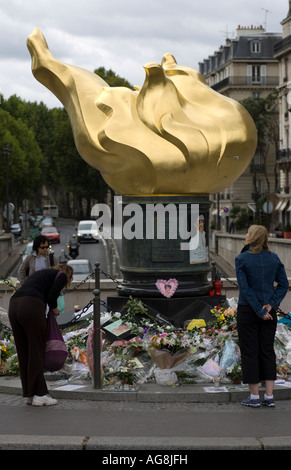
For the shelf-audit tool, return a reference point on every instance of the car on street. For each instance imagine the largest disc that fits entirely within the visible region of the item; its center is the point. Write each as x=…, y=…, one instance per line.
x=27, y=250
x=52, y=234
x=87, y=231
x=46, y=222
x=82, y=269
x=16, y=230
x=37, y=220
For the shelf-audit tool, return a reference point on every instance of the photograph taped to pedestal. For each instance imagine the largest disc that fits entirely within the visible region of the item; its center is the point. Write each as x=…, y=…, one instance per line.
x=198, y=249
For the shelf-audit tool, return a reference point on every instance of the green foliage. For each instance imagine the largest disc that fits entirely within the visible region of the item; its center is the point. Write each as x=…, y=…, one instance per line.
x=234, y=211
x=111, y=78
x=24, y=161
x=43, y=152
x=241, y=216
x=264, y=112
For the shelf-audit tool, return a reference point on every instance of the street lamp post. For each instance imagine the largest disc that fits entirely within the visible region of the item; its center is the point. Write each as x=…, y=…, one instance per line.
x=7, y=151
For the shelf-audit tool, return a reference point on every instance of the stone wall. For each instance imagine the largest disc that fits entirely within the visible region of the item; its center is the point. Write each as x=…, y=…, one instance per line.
x=81, y=295
x=6, y=247
x=228, y=246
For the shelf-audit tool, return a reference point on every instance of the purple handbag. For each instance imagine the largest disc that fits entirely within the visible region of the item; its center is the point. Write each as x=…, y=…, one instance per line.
x=55, y=352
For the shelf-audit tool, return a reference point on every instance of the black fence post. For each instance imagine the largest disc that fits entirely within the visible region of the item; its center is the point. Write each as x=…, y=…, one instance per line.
x=97, y=332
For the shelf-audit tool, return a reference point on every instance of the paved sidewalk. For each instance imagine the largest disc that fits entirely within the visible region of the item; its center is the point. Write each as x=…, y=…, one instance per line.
x=154, y=418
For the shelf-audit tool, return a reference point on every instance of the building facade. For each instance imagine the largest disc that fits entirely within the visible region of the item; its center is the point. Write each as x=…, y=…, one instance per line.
x=282, y=52
x=246, y=67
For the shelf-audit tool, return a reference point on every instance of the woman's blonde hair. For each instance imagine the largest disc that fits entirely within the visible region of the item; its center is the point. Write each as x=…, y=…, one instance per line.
x=68, y=270
x=257, y=239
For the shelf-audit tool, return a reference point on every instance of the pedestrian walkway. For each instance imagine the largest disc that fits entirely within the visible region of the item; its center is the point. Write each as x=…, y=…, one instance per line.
x=153, y=419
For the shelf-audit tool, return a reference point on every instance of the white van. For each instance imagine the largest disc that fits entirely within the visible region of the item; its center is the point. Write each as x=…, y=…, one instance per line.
x=87, y=231
x=49, y=210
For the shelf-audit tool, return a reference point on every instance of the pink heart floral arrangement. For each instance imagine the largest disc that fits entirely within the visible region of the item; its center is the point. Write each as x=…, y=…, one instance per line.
x=167, y=288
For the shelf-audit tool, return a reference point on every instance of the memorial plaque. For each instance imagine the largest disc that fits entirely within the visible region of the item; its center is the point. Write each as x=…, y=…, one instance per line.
x=164, y=251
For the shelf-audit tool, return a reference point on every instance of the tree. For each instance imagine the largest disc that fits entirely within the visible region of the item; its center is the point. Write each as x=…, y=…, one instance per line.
x=40, y=120
x=111, y=78
x=264, y=112
x=24, y=162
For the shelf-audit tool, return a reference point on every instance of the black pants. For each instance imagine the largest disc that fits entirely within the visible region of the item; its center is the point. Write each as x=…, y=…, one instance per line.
x=28, y=322
x=256, y=341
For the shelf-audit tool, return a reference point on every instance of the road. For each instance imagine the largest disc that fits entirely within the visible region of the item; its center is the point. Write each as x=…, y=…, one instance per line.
x=94, y=252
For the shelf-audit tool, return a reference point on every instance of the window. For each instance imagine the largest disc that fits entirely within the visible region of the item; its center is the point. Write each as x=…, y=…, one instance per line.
x=256, y=74
x=256, y=46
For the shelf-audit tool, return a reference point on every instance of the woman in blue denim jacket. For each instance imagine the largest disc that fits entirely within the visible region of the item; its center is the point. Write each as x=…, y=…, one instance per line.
x=257, y=270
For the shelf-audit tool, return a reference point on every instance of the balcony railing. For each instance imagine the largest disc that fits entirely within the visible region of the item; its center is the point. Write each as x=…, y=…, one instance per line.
x=246, y=81
x=283, y=155
x=283, y=158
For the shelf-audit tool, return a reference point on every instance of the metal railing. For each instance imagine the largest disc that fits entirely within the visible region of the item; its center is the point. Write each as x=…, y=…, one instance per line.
x=283, y=155
x=246, y=81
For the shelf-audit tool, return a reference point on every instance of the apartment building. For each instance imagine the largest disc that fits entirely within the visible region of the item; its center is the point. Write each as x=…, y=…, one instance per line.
x=246, y=67
x=282, y=52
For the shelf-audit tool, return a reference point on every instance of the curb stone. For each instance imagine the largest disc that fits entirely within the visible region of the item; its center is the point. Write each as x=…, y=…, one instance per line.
x=146, y=444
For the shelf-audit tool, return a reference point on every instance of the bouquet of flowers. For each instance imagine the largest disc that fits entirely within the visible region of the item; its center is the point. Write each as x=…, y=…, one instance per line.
x=169, y=348
x=7, y=349
x=224, y=321
x=124, y=370
x=8, y=358
x=234, y=373
x=4, y=351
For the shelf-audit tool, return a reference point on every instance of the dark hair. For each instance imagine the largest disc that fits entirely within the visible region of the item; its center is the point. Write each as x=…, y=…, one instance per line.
x=39, y=239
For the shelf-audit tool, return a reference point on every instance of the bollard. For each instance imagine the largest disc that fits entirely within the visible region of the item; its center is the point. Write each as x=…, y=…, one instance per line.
x=97, y=332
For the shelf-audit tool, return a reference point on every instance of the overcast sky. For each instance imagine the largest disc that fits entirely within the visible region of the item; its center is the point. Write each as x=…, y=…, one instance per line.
x=121, y=35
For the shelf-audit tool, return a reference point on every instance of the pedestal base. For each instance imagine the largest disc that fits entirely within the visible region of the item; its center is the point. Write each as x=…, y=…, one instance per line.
x=140, y=285
x=158, y=250
x=175, y=310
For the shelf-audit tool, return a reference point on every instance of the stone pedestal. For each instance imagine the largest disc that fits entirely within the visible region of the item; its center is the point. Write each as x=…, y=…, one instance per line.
x=146, y=260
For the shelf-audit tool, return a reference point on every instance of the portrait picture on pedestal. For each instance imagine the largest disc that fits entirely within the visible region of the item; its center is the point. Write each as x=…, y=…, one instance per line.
x=199, y=253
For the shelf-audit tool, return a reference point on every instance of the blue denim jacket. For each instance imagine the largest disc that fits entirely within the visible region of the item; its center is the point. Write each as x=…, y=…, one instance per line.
x=256, y=274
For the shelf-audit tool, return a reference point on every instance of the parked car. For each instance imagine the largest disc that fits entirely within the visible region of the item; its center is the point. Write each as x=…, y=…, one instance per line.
x=82, y=268
x=16, y=230
x=87, y=231
x=37, y=220
x=46, y=222
x=51, y=233
x=27, y=251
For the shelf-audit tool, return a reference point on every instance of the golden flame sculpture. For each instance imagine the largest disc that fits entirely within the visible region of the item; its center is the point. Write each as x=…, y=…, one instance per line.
x=174, y=135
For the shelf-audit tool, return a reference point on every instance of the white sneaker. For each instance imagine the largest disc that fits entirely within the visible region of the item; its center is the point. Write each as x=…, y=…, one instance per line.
x=45, y=400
